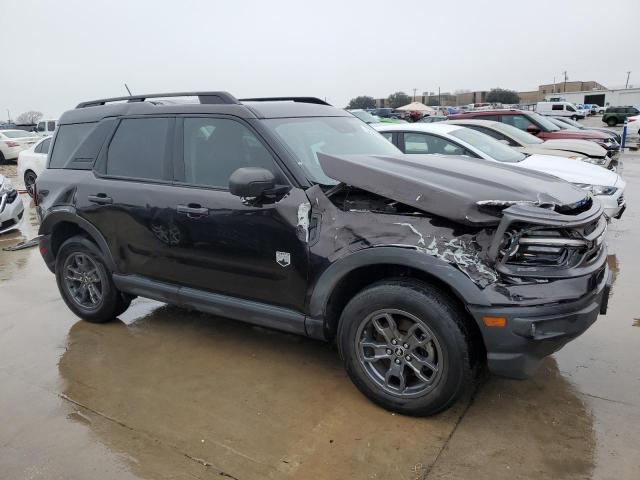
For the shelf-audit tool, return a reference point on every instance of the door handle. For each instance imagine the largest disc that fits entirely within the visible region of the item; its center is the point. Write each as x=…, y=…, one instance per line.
x=192, y=210
x=100, y=198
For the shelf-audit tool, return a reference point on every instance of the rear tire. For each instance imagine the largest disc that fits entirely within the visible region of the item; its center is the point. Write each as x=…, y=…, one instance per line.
x=574, y=118
x=85, y=282
x=3, y=161
x=429, y=366
x=30, y=178
x=612, y=121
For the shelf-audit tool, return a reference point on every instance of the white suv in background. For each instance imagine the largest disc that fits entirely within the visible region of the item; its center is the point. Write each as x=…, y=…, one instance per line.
x=46, y=128
x=32, y=162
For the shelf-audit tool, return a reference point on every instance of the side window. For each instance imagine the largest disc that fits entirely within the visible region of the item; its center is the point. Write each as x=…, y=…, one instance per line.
x=41, y=126
x=556, y=106
x=139, y=149
x=44, y=146
x=38, y=148
x=425, y=143
x=388, y=136
x=51, y=126
x=570, y=108
x=214, y=148
x=68, y=139
x=518, y=121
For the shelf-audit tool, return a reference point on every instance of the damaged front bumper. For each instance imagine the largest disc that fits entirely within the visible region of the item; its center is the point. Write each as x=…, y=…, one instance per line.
x=554, y=282
x=535, y=331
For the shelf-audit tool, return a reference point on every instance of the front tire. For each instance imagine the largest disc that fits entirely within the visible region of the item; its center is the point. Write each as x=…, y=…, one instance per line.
x=3, y=161
x=612, y=121
x=85, y=282
x=405, y=346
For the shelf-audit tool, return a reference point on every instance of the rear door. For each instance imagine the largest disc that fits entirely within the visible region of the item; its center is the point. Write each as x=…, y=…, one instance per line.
x=128, y=197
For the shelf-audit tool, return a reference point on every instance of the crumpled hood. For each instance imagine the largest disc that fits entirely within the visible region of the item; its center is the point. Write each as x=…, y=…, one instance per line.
x=449, y=186
x=586, y=147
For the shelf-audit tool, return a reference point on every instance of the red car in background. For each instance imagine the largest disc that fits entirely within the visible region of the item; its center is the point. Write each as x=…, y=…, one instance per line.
x=541, y=127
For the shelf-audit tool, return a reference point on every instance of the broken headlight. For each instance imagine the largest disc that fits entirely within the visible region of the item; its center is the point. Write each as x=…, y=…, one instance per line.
x=542, y=247
x=597, y=189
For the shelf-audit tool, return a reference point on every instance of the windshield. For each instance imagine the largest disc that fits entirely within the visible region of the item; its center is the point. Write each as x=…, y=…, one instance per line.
x=489, y=145
x=572, y=123
x=518, y=135
x=562, y=126
x=546, y=124
x=16, y=133
x=364, y=116
x=308, y=136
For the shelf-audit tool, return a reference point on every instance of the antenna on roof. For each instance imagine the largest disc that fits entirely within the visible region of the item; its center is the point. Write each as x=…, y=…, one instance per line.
x=127, y=87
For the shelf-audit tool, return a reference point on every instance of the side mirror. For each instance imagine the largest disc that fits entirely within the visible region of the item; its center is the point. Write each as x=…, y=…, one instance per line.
x=533, y=130
x=251, y=182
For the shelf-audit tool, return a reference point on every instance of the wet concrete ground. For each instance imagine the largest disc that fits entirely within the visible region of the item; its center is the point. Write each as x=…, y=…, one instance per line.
x=170, y=394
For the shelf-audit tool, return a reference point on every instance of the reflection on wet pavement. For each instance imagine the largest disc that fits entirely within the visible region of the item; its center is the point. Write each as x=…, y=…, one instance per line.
x=168, y=393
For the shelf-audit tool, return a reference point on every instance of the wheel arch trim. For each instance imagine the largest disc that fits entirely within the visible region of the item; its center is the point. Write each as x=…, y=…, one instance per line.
x=68, y=214
x=457, y=281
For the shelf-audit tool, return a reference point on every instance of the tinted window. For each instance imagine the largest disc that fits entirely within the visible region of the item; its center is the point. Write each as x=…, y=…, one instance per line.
x=41, y=127
x=214, y=148
x=68, y=139
x=38, y=148
x=138, y=149
x=425, y=143
x=51, y=126
x=570, y=108
x=557, y=107
x=492, y=133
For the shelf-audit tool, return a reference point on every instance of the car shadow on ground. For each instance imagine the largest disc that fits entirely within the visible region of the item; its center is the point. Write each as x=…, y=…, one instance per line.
x=181, y=392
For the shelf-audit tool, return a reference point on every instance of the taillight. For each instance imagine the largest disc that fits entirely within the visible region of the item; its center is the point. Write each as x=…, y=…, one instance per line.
x=12, y=144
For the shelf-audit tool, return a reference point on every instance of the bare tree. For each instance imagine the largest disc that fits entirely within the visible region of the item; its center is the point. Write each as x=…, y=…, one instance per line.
x=27, y=118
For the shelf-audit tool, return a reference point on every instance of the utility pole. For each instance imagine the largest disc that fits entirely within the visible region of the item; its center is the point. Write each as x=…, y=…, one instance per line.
x=554, y=84
x=8, y=116
x=627, y=84
x=414, y=94
x=439, y=101
x=565, y=81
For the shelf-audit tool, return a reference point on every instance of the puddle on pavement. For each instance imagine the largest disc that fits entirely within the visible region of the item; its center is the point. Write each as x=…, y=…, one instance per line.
x=176, y=385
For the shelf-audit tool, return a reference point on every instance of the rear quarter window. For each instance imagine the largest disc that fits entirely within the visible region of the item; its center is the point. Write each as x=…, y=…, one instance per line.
x=68, y=140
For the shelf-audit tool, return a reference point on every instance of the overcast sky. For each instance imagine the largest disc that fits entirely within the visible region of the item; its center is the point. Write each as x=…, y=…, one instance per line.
x=56, y=53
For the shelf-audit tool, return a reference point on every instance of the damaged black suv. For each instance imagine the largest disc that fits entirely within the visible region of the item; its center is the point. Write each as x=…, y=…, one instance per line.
x=295, y=215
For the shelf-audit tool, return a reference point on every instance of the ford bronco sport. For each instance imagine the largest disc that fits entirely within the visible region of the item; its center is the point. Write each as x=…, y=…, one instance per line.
x=295, y=215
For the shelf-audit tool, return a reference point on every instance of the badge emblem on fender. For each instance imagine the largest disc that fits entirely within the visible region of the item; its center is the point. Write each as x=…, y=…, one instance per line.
x=283, y=259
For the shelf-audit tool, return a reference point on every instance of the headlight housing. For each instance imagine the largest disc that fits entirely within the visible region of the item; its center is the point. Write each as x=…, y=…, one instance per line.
x=597, y=189
x=6, y=186
x=595, y=161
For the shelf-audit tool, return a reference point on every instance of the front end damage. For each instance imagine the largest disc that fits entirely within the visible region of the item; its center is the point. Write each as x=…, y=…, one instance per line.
x=540, y=265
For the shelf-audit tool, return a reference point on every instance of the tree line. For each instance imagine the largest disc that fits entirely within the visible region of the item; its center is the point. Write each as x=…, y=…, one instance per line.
x=398, y=99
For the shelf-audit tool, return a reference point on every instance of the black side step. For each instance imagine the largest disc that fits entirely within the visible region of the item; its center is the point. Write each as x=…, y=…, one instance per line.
x=257, y=313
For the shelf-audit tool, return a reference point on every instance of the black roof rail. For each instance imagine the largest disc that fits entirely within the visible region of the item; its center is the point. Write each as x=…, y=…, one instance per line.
x=315, y=100
x=204, y=97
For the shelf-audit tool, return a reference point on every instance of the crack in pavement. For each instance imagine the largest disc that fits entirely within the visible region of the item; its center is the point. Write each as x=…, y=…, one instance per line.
x=453, y=431
x=200, y=461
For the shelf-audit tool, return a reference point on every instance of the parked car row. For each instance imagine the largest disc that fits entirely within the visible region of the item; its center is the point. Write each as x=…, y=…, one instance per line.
x=292, y=214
